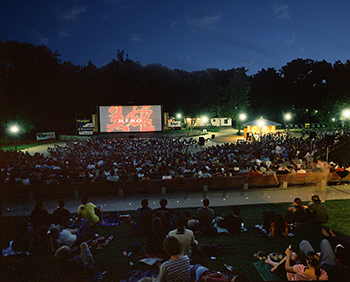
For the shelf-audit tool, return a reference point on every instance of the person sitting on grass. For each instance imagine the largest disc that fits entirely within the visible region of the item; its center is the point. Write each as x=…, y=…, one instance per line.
x=298, y=214
x=41, y=244
x=89, y=211
x=339, y=269
x=318, y=212
x=144, y=220
x=165, y=214
x=298, y=272
x=232, y=222
x=205, y=216
x=61, y=215
x=61, y=236
x=39, y=216
x=175, y=269
x=157, y=234
x=80, y=268
x=278, y=226
x=185, y=236
x=345, y=241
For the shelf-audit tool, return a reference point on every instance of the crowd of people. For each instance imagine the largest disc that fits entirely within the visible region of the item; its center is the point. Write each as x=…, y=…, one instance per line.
x=46, y=235
x=126, y=159
x=332, y=263
x=51, y=234
x=136, y=159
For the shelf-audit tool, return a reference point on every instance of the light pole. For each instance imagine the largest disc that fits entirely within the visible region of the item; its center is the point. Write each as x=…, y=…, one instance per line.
x=242, y=118
x=287, y=117
x=346, y=116
x=15, y=129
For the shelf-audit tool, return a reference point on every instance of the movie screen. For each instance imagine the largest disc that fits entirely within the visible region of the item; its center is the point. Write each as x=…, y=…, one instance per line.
x=130, y=118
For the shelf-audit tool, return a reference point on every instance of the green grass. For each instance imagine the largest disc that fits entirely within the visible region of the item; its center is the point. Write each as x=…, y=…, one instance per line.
x=241, y=247
x=23, y=146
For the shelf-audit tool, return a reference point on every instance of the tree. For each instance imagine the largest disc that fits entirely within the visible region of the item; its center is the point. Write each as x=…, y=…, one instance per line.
x=267, y=93
x=235, y=97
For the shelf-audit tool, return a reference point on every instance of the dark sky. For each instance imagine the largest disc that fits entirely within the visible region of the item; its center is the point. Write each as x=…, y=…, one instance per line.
x=189, y=35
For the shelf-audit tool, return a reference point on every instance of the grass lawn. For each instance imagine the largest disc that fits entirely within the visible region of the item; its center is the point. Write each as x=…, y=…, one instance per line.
x=23, y=146
x=240, y=248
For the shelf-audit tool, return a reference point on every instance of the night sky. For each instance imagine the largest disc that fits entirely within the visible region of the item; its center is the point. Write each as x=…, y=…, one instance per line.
x=188, y=35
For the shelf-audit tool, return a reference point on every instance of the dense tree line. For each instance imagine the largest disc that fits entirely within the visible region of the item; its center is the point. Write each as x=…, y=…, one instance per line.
x=42, y=93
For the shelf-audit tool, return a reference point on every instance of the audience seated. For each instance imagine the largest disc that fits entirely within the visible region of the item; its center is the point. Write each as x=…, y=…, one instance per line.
x=61, y=236
x=89, y=211
x=278, y=226
x=294, y=271
x=232, y=222
x=298, y=214
x=205, y=216
x=23, y=238
x=177, y=268
x=192, y=222
x=41, y=243
x=338, y=266
x=165, y=214
x=155, y=236
x=152, y=157
x=144, y=220
x=80, y=268
x=149, y=158
x=185, y=236
x=318, y=212
x=61, y=215
x=39, y=216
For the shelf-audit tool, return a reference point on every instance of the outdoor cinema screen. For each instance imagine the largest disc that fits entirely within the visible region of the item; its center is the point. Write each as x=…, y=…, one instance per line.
x=130, y=118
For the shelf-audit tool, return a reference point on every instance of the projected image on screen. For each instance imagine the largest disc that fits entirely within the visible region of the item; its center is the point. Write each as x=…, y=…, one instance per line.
x=130, y=118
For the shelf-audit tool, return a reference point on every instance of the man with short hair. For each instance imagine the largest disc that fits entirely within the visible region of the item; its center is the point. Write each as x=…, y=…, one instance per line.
x=177, y=268
x=205, y=215
x=232, y=222
x=185, y=236
x=165, y=214
x=144, y=219
x=61, y=215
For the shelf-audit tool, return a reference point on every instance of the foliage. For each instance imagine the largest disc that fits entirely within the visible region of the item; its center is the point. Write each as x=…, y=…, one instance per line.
x=49, y=94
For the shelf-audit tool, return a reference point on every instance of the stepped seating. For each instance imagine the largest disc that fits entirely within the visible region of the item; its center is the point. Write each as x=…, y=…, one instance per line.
x=178, y=185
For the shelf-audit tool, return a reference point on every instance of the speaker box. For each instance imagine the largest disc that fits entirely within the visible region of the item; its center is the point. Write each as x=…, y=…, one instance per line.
x=201, y=141
x=329, y=138
x=213, y=136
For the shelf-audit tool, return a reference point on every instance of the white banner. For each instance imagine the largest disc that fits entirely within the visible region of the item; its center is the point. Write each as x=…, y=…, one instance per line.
x=45, y=136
